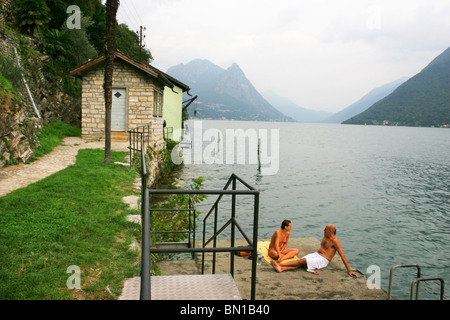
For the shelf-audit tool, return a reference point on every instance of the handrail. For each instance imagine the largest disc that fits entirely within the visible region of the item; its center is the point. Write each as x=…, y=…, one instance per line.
x=415, y=283
x=137, y=140
x=391, y=275
x=145, y=252
x=233, y=222
x=251, y=247
x=191, y=223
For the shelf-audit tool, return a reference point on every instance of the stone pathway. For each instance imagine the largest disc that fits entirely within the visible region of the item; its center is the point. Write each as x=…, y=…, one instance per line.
x=22, y=175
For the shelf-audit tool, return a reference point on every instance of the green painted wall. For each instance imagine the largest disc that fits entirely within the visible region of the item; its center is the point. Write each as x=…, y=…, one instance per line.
x=173, y=103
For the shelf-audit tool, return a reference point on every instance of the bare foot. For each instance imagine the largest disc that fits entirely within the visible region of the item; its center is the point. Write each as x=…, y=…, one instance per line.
x=275, y=266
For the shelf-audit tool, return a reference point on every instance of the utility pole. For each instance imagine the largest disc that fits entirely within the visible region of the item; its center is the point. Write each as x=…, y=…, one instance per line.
x=109, y=51
x=141, y=41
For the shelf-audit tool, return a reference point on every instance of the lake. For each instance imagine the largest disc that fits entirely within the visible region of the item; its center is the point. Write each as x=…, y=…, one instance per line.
x=385, y=188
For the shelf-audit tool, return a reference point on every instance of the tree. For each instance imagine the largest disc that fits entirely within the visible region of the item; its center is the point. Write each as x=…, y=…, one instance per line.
x=128, y=43
x=31, y=14
x=109, y=50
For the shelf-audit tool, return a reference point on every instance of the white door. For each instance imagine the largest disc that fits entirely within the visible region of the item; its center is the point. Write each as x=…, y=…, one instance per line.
x=118, y=111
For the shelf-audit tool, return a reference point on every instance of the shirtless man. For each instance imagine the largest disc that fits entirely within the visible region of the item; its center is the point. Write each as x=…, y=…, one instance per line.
x=278, y=244
x=320, y=259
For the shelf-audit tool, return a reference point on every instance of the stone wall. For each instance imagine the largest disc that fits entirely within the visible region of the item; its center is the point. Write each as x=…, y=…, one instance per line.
x=17, y=119
x=140, y=89
x=5, y=11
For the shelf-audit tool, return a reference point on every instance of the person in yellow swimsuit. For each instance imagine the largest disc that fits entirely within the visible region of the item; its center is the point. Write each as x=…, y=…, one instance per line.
x=278, y=244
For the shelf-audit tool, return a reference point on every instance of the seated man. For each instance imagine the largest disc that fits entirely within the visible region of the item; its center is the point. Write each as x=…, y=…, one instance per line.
x=278, y=244
x=320, y=259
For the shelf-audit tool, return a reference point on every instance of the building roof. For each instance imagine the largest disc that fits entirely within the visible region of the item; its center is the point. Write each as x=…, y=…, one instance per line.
x=98, y=62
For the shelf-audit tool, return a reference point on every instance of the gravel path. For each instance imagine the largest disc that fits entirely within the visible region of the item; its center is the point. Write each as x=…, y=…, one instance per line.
x=19, y=176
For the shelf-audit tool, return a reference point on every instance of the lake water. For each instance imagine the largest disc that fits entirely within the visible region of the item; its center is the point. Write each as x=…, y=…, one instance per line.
x=385, y=188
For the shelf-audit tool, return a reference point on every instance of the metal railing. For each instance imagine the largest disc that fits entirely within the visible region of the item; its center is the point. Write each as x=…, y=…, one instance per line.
x=391, y=275
x=192, y=217
x=168, y=133
x=232, y=222
x=145, y=250
x=251, y=247
x=139, y=139
x=415, y=283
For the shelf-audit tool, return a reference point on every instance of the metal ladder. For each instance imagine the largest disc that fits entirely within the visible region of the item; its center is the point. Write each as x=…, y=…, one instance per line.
x=415, y=283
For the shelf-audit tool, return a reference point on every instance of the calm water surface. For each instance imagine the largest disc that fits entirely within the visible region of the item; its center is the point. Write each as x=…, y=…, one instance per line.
x=385, y=188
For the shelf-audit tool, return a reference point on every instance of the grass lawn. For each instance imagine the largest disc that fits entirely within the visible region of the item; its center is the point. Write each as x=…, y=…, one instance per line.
x=52, y=136
x=74, y=217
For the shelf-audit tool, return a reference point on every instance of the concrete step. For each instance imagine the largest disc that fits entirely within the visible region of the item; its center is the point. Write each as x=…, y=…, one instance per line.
x=185, y=287
x=171, y=245
x=180, y=280
x=119, y=136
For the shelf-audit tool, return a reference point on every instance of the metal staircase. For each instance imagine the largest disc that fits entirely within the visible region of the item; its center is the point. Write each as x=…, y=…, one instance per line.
x=213, y=286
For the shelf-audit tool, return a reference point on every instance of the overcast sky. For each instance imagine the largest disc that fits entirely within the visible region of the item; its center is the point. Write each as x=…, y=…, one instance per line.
x=321, y=54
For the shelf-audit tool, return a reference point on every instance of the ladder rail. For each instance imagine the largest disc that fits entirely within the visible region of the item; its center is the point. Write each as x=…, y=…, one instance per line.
x=391, y=275
x=415, y=284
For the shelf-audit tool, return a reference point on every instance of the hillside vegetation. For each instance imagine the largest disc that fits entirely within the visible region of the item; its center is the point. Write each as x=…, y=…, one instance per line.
x=423, y=100
x=37, y=45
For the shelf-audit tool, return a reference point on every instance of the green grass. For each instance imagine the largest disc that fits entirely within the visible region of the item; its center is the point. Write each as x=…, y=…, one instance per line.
x=74, y=217
x=5, y=85
x=52, y=135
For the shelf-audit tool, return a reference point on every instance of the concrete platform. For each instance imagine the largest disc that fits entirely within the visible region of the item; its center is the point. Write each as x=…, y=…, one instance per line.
x=331, y=283
x=185, y=287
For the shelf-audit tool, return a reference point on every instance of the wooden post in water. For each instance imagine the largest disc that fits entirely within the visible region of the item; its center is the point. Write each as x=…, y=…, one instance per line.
x=259, y=154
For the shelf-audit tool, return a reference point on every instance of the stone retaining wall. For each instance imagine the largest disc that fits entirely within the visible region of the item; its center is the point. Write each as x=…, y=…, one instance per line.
x=5, y=10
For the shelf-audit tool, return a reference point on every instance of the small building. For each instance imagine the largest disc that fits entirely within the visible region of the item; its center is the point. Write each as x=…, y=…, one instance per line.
x=173, y=106
x=138, y=98
x=173, y=111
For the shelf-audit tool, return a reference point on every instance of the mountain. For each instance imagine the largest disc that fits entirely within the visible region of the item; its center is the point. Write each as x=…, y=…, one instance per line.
x=289, y=108
x=365, y=102
x=224, y=93
x=423, y=100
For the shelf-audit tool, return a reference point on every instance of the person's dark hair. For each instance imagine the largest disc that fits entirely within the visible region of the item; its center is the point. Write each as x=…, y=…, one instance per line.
x=285, y=223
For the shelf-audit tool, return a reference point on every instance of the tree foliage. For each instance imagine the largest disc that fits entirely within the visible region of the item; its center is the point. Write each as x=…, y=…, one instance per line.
x=128, y=43
x=30, y=14
x=45, y=21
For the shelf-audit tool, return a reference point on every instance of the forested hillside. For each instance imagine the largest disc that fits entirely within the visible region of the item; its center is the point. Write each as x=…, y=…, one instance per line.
x=423, y=100
x=37, y=45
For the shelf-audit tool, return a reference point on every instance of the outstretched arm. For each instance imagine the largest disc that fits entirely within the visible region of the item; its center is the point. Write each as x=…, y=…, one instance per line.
x=338, y=247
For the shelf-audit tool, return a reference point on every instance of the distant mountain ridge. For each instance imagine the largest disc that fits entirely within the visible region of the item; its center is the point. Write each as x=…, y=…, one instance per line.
x=293, y=110
x=423, y=100
x=224, y=93
x=365, y=102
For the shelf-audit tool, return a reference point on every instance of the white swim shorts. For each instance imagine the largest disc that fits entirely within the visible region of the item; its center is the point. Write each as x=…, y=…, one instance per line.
x=315, y=261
